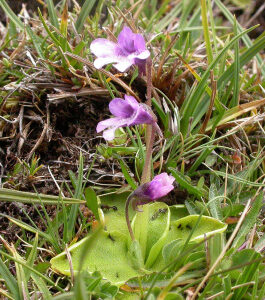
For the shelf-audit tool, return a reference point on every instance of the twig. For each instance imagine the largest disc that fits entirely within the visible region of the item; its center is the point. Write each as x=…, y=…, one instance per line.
x=232, y=289
x=114, y=78
x=9, y=121
x=20, y=117
x=22, y=139
x=126, y=20
x=163, y=58
x=39, y=141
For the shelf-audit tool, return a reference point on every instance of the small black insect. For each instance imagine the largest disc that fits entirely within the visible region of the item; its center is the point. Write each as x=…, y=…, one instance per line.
x=107, y=207
x=110, y=237
x=159, y=212
x=188, y=227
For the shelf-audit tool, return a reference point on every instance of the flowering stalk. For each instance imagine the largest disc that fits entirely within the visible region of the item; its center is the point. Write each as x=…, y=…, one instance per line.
x=127, y=217
x=150, y=138
x=150, y=131
x=143, y=213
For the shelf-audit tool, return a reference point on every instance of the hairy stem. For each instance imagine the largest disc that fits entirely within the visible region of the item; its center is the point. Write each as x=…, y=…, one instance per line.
x=146, y=175
x=150, y=131
x=149, y=81
x=127, y=216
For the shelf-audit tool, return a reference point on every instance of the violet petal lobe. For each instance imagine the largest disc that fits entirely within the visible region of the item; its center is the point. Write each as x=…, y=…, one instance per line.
x=112, y=122
x=142, y=116
x=124, y=63
x=131, y=100
x=121, y=108
x=159, y=187
x=142, y=55
x=126, y=40
x=102, y=61
x=109, y=134
x=139, y=43
x=104, y=48
x=106, y=51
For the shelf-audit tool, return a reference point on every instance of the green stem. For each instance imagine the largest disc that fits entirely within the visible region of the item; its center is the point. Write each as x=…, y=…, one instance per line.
x=146, y=174
x=141, y=226
x=149, y=81
x=150, y=131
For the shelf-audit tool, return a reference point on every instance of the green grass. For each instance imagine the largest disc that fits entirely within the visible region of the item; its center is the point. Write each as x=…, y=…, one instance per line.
x=208, y=95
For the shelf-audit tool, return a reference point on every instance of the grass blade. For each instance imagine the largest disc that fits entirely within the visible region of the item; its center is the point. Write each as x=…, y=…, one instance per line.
x=10, y=281
x=225, y=77
x=7, y=195
x=246, y=39
x=78, y=194
x=85, y=11
x=235, y=99
x=52, y=13
x=250, y=220
x=180, y=178
x=192, y=101
x=206, y=31
x=32, y=256
x=11, y=14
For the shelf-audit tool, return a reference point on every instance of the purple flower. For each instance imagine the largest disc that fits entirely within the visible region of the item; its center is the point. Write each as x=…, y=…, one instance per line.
x=129, y=50
x=127, y=112
x=159, y=187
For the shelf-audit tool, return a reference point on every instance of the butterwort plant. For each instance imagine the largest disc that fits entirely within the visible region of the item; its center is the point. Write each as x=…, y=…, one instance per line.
x=136, y=253
x=129, y=50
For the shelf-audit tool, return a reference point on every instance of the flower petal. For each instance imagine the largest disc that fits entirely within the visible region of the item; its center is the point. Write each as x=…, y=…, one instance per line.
x=107, y=123
x=109, y=134
x=104, y=48
x=143, y=55
x=160, y=186
x=142, y=116
x=131, y=100
x=123, y=63
x=126, y=40
x=141, y=65
x=156, y=193
x=101, y=61
x=139, y=43
x=120, y=108
x=112, y=124
x=164, y=178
